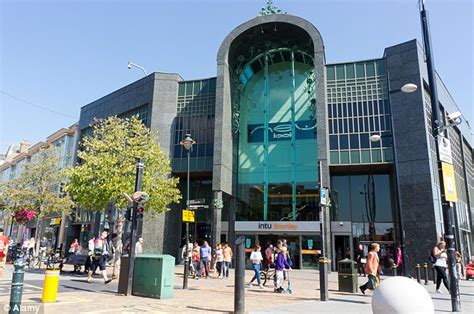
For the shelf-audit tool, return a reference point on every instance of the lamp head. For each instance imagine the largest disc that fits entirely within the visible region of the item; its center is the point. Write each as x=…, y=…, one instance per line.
x=375, y=137
x=187, y=142
x=409, y=88
x=129, y=65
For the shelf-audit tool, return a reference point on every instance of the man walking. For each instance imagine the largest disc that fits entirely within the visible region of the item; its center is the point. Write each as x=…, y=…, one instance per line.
x=100, y=252
x=205, y=254
x=3, y=252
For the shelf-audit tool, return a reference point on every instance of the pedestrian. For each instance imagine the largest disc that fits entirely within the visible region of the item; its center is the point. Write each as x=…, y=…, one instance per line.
x=204, y=254
x=360, y=259
x=88, y=264
x=74, y=248
x=117, y=248
x=439, y=252
x=139, y=246
x=398, y=257
x=372, y=268
x=100, y=252
x=459, y=267
x=4, y=242
x=269, y=256
x=187, y=254
x=281, y=264
x=219, y=260
x=31, y=246
x=227, y=255
x=256, y=259
x=195, y=259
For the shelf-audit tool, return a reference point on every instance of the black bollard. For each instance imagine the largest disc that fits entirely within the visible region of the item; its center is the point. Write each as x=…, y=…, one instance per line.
x=418, y=273
x=323, y=278
x=394, y=270
x=425, y=266
x=17, y=286
x=434, y=275
x=239, y=292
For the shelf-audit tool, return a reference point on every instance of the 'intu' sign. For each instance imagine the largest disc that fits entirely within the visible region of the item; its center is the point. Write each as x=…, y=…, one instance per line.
x=282, y=131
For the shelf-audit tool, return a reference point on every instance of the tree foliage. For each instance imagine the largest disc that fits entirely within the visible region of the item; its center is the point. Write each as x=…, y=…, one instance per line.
x=38, y=185
x=107, y=166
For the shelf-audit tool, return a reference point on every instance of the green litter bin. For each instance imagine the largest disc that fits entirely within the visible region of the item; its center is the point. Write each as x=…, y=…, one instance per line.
x=347, y=275
x=153, y=276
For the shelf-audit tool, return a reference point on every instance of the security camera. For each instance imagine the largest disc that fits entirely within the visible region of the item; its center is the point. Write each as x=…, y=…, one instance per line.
x=129, y=65
x=454, y=117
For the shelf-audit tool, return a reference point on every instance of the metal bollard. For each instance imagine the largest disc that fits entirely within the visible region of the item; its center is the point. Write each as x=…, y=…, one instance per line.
x=425, y=266
x=394, y=270
x=17, y=286
x=434, y=275
x=418, y=273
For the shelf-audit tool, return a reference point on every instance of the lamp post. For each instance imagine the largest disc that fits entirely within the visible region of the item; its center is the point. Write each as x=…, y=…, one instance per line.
x=131, y=64
x=407, y=89
x=438, y=128
x=187, y=143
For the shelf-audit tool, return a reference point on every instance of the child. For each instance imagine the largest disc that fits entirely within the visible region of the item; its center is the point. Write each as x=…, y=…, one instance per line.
x=280, y=264
x=459, y=269
x=195, y=263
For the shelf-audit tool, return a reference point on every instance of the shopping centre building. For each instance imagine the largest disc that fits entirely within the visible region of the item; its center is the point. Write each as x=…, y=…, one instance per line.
x=277, y=121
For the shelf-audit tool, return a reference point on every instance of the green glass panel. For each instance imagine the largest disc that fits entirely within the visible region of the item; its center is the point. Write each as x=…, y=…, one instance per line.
x=376, y=155
x=360, y=70
x=205, y=87
x=189, y=88
x=334, y=158
x=181, y=89
x=330, y=73
x=212, y=85
x=370, y=68
x=355, y=157
x=350, y=71
x=380, y=67
x=388, y=154
x=365, y=154
x=197, y=87
x=340, y=72
x=344, y=157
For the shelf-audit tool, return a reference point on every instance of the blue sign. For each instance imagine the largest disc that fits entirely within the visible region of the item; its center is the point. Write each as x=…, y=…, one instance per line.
x=248, y=242
x=310, y=244
x=281, y=131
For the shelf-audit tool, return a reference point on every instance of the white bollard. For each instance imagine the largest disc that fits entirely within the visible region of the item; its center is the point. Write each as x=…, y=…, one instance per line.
x=401, y=295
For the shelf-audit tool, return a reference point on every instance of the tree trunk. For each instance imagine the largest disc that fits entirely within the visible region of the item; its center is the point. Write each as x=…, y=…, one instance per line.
x=118, y=246
x=37, y=234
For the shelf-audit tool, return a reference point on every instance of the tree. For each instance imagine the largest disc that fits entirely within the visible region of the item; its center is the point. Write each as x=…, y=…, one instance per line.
x=107, y=167
x=38, y=187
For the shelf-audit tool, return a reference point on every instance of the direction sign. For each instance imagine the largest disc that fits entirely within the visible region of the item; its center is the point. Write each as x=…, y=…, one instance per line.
x=199, y=201
x=444, y=147
x=198, y=206
x=188, y=215
x=324, y=193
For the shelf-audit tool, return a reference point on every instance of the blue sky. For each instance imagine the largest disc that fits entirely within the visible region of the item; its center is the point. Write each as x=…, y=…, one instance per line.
x=64, y=54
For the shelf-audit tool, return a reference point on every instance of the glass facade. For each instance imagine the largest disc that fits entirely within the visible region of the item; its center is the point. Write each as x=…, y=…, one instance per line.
x=195, y=115
x=277, y=147
x=358, y=107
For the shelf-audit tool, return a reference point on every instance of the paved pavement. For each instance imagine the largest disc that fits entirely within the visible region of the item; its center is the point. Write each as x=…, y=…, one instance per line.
x=206, y=296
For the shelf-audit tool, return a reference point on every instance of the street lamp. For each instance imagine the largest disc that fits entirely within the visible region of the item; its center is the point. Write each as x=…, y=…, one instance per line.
x=407, y=89
x=131, y=64
x=187, y=143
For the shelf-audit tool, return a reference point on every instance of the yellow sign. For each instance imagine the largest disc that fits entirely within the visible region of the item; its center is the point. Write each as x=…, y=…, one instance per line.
x=188, y=215
x=449, y=182
x=55, y=221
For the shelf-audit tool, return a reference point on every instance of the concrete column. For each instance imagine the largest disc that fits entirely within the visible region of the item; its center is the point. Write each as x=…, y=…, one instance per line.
x=216, y=220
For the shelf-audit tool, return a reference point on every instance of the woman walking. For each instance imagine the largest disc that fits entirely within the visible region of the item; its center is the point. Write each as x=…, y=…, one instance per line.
x=372, y=268
x=439, y=252
x=219, y=260
x=227, y=256
x=256, y=259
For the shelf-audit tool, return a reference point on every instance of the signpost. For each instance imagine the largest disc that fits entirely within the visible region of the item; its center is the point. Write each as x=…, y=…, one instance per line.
x=188, y=215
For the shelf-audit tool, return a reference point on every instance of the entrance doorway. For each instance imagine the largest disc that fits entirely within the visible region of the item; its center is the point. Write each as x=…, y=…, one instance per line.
x=342, y=248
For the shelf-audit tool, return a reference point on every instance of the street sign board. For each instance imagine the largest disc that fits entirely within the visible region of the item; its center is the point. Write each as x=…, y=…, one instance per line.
x=444, y=147
x=188, y=215
x=199, y=201
x=449, y=182
x=324, y=193
x=198, y=206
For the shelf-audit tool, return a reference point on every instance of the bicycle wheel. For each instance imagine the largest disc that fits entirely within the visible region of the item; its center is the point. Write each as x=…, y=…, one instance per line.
x=263, y=277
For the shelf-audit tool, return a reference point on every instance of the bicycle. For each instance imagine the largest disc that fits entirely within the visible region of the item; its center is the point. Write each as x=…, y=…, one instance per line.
x=52, y=259
x=27, y=256
x=267, y=274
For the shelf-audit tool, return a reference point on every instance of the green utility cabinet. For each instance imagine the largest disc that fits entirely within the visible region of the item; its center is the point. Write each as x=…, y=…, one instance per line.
x=347, y=276
x=153, y=276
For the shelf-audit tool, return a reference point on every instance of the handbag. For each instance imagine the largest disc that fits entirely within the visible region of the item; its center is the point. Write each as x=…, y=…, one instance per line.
x=363, y=260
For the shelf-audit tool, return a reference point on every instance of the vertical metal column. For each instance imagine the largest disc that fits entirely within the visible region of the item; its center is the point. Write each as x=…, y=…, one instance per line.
x=186, y=259
x=133, y=240
x=239, y=293
x=293, y=138
x=265, y=140
x=436, y=125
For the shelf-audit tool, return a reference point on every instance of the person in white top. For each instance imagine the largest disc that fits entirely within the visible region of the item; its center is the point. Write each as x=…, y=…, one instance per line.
x=219, y=260
x=256, y=258
x=439, y=252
